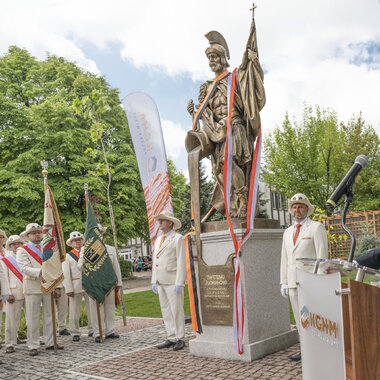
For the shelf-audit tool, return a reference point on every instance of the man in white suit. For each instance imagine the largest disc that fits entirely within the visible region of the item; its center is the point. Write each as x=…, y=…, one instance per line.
x=107, y=309
x=13, y=287
x=29, y=259
x=304, y=239
x=4, y=288
x=73, y=285
x=168, y=279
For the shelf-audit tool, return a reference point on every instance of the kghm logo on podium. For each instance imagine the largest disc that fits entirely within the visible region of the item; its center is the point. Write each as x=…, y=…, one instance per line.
x=319, y=326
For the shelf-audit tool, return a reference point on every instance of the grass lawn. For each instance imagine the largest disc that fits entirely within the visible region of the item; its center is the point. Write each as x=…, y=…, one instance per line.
x=141, y=304
x=146, y=304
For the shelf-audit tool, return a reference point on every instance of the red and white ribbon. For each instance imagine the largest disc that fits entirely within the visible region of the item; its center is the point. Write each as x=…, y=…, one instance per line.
x=238, y=316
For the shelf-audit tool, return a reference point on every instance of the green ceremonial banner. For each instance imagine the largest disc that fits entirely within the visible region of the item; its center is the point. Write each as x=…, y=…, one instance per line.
x=98, y=275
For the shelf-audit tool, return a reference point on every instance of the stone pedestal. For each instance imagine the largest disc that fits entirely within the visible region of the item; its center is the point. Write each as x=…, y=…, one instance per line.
x=267, y=326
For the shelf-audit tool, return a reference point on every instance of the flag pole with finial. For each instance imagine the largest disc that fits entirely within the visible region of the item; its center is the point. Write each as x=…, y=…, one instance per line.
x=44, y=165
x=97, y=303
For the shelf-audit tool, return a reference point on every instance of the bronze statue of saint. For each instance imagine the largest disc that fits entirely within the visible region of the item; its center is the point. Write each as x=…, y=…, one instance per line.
x=211, y=116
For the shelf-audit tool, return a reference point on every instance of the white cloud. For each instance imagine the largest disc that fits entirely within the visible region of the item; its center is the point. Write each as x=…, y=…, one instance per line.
x=306, y=48
x=174, y=137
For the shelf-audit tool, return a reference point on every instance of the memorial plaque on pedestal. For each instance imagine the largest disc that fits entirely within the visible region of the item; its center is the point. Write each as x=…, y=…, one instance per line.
x=216, y=284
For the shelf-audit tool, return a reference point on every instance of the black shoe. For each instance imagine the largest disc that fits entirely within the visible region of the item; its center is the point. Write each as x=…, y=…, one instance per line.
x=76, y=338
x=179, y=345
x=64, y=332
x=33, y=352
x=10, y=350
x=97, y=340
x=52, y=347
x=20, y=341
x=113, y=336
x=90, y=334
x=296, y=357
x=168, y=343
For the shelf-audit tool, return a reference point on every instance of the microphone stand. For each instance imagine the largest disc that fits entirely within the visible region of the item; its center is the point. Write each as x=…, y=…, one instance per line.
x=349, y=199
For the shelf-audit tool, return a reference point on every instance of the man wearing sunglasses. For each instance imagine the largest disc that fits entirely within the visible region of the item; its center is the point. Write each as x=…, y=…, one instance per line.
x=304, y=239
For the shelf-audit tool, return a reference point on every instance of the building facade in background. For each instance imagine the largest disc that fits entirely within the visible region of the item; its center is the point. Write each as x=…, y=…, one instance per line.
x=276, y=205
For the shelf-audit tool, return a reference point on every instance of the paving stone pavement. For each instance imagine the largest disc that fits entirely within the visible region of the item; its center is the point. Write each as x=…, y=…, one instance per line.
x=134, y=356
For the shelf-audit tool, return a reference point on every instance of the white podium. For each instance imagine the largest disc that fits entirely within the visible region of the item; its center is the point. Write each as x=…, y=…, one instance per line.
x=339, y=314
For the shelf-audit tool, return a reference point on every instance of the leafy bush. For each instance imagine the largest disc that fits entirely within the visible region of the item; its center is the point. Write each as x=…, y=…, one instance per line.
x=367, y=241
x=22, y=329
x=125, y=267
x=83, y=321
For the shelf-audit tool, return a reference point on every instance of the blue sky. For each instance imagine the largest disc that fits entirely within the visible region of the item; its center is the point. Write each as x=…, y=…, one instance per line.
x=325, y=52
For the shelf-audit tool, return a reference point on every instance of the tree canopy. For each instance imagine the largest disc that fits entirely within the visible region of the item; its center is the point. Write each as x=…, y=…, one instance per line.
x=312, y=156
x=206, y=189
x=38, y=122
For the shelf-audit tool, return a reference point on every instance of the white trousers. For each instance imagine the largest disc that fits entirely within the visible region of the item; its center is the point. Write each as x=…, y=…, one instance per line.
x=62, y=307
x=172, y=311
x=74, y=310
x=107, y=315
x=12, y=322
x=293, y=295
x=33, y=309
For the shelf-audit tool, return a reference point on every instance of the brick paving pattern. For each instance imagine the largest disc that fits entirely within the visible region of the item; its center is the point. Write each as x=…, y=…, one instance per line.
x=154, y=364
x=134, y=356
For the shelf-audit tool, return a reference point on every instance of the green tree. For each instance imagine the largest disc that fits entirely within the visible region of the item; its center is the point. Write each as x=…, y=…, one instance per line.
x=206, y=188
x=313, y=155
x=177, y=188
x=37, y=122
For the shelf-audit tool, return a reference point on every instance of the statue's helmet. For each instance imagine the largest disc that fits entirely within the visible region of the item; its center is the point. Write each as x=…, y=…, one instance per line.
x=218, y=45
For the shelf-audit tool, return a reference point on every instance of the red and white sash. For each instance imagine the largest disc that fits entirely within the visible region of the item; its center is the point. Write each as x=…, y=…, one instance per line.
x=238, y=316
x=12, y=265
x=33, y=251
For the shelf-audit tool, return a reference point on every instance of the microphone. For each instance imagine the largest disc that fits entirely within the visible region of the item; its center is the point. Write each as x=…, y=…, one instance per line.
x=346, y=183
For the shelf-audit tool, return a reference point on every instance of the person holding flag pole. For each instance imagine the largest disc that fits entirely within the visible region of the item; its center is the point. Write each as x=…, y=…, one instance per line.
x=100, y=276
x=73, y=285
x=42, y=269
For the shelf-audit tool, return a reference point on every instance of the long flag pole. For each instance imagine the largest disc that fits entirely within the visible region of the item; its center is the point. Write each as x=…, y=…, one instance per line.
x=97, y=303
x=44, y=166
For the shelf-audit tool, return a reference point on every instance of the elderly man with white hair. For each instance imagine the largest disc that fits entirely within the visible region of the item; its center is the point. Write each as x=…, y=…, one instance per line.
x=304, y=239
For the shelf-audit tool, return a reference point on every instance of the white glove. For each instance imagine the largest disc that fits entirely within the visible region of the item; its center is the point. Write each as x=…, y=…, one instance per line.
x=154, y=288
x=178, y=289
x=284, y=290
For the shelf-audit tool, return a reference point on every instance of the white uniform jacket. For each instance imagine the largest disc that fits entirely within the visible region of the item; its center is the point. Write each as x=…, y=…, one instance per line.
x=311, y=243
x=31, y=270
x=115, y=263
x=13, y=286
x=169, y=261
x=114, y=260
x=4, y=252
x=73, y=275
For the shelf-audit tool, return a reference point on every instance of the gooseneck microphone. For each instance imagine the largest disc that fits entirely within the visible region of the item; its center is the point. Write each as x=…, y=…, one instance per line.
x=347, y=182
